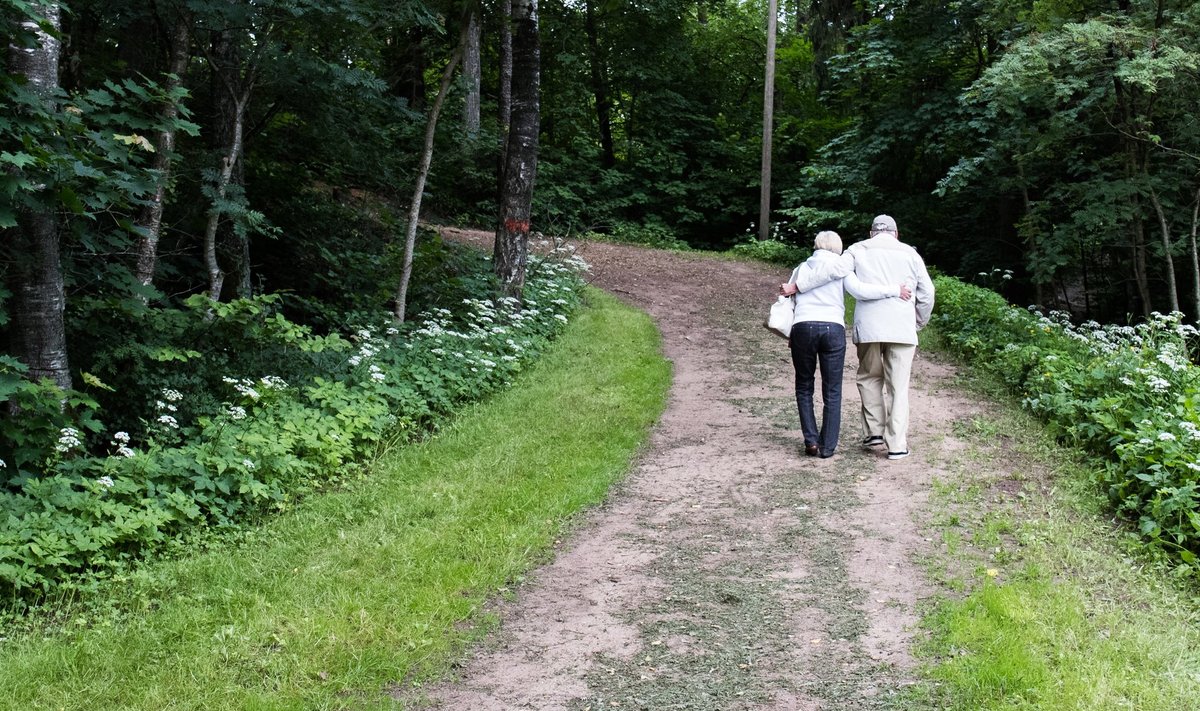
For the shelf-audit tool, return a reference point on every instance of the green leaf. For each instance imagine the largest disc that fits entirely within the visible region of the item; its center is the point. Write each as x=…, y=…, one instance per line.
x=20, y=159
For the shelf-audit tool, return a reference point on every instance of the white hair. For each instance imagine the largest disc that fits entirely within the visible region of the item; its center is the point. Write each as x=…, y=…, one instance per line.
x=830, y=240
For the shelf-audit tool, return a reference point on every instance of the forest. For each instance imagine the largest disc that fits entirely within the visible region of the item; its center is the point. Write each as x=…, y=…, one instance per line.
x=212, y=206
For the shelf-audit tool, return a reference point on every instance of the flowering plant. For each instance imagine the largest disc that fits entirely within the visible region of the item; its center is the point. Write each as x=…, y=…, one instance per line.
x=260, y=441
x=1127, y=393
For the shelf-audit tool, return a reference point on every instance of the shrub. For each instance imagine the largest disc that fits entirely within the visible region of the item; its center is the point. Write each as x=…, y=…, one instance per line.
x=71, y=516
x=772, y=251
x=1127, y=393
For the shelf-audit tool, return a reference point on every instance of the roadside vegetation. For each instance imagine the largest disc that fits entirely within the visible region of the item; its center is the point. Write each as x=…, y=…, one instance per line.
x=1062, y=590
x=354, y=594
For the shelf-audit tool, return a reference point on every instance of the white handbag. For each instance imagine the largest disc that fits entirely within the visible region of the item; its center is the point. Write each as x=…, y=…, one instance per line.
x=780, y=319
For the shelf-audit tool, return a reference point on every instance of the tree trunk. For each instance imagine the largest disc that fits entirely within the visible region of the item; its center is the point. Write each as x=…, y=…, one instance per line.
x=506, y=70
x=512, y=233
x=150, y=217
x=231, y=97
x=471, y=70
x=1139, y=265
x=1165, y=234
x=764, y=199
x=600, y=87
x=1195, y=255
x=414, y=212
x=39, y=299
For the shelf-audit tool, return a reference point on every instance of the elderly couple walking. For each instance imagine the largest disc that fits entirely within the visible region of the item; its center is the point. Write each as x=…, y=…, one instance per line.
x=894, y=296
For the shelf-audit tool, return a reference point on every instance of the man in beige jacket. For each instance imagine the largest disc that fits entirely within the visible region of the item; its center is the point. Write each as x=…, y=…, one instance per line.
x=885, y=331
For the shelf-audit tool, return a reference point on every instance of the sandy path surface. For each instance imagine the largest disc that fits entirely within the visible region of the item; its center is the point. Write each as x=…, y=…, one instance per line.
x=728, y=571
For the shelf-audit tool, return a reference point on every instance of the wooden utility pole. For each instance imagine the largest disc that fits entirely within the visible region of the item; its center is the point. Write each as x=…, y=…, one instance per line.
x=764, y=202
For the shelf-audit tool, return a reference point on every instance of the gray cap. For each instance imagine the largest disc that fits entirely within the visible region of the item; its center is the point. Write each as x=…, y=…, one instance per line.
x=883, y=223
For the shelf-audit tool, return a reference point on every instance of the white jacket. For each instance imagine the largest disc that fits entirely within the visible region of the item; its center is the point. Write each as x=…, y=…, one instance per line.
x=827, y=302
x=882, y=259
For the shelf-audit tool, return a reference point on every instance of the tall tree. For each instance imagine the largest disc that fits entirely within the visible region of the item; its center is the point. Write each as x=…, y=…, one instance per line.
x=472, y=71
x=38, y=290
x=764, y=198
x=511, y=252
x=414, y=212
x=149, y=220
x=599, y=74
x=506, y=70
x=233, y=85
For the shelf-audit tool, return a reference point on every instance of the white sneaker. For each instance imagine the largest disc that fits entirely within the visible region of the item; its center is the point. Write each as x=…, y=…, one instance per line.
x=898, y=455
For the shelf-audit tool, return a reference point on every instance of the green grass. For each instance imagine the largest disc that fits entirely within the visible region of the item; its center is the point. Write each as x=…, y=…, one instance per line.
x=363, y=591
x=1049, y=605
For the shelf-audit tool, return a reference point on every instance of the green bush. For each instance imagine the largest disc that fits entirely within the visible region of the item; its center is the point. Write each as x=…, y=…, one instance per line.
x=1127, y=393
x=69, y=516
x=772, y=251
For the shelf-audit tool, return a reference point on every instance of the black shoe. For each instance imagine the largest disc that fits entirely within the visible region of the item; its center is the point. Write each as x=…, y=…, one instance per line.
x=898, y=455
x=872, y=441
x=811, y=450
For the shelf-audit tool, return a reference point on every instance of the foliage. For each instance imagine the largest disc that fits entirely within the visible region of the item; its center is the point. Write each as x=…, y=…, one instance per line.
x=772, y=251
x=385, y=578
x=652, y=234
x=1127, y=393
x=71, y=516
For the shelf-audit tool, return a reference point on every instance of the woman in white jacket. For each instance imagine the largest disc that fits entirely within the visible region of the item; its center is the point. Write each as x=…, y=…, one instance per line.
x=818, y=339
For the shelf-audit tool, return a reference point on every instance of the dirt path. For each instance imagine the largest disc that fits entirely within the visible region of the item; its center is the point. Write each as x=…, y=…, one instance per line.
x=728, y=571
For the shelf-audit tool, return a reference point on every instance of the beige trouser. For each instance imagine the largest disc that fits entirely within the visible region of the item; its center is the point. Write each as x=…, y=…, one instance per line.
x=885, y=366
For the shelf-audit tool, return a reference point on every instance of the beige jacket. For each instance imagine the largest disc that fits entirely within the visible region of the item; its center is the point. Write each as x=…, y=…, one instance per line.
x=882, y=259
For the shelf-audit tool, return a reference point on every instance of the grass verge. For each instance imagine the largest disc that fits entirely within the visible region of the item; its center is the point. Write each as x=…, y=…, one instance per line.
x=1051, y=605
x=358, y=592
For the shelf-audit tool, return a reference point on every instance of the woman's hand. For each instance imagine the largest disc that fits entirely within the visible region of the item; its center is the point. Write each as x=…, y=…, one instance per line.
x=787, y=289
x=905, y=292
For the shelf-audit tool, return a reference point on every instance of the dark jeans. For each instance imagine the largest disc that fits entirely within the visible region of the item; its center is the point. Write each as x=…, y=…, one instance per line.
x=820, y=343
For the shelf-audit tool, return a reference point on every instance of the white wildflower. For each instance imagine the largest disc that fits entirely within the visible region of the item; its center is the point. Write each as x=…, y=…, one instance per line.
x=68, y=439
x=236, y=412
x=168, y=421
x=122, y=437
x=1166, y=437
x=248, y=464
x=105, y=481
x=273, y=382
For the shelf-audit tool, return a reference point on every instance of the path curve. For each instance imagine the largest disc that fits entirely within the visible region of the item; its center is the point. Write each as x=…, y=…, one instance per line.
x=728, y=571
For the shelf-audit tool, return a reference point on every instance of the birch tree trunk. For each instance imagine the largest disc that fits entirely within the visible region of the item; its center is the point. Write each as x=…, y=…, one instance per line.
x=511, y=252
x=150, y=218
x=38, y=295
x=1165, y=234
x=471, y=71
x=233, y=85
x=764, y=199
x=414, y=212
x=506, y=70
